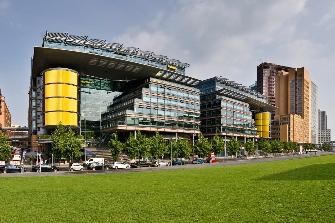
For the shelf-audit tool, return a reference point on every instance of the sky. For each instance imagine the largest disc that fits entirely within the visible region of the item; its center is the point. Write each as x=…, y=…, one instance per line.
x=217, y=37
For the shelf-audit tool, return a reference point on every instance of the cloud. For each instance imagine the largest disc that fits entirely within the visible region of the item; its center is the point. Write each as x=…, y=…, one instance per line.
x=216, y=37
x=4, y=6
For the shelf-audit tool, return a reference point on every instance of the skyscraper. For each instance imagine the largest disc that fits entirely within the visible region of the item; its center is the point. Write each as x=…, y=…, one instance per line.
x=292, y=120
x=314, y=114
x=5, y=116
x=266, y=79
x=324, y=132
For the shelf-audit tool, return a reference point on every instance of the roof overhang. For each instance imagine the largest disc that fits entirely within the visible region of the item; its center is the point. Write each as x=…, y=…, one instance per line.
x=90, y=64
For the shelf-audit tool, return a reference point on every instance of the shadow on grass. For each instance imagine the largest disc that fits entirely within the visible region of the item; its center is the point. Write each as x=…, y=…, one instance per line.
x=311, y=172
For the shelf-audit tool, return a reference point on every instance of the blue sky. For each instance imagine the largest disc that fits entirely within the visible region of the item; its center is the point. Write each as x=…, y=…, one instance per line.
x=228, y=38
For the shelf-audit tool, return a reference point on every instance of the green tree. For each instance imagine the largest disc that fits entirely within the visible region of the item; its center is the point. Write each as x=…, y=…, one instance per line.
x=5, y=149
x=309, y=146
x=115, y=146
x=276, y=146
x=288, y=147
x=131, y=148
x=250, y=147
x=326, y=147
x=202, y=146
x=158, y=147
x=137, y=147
x=233, y=146
x=65, y=143
x=181, y=148
x=217, y=144
x=264, y=146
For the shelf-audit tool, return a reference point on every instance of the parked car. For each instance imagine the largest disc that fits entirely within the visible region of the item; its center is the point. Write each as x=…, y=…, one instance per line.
x=13, y=169
x=140, y=164
x=163, y=163
x=95, y=166
x=198, y=161
x=45, y=168
x=177, y=162
x=94, y=160
x=2, y=168
x=120, y=165
x=76, y=167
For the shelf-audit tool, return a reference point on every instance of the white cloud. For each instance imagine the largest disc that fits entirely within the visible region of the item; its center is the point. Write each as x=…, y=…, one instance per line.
x=4, y=6
x=217, y=37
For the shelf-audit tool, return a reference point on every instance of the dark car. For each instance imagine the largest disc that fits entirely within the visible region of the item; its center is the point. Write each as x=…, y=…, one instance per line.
x=138, y=164
x=2, y=168
x=95, y=166
x=44, y=168
x=177, y=162
x=198, y=161
x=13, y=169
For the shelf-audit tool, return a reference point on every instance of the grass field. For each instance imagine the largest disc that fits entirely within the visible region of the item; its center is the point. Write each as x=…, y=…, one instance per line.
x=299, y=190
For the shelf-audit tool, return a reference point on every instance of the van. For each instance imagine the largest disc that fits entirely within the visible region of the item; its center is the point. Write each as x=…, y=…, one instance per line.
x=95, y=160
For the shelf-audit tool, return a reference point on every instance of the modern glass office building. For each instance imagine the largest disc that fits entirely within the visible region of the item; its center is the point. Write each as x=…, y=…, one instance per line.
x=76, y=80
x=229, y=109
x=155, y=105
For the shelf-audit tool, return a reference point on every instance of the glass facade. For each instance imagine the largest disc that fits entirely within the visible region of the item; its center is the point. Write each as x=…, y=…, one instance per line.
x=157, y=104
x=222, y=114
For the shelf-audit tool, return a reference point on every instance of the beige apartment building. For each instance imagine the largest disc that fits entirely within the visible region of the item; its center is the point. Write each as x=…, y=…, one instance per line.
x=292, y=119
x=5, y=116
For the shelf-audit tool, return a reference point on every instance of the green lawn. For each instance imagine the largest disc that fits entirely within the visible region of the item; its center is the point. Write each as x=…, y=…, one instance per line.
x=299, y=190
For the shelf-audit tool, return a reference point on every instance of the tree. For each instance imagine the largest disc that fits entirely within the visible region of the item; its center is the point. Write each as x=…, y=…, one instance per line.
x=276, y=146
x=181, y=148
x=233, y=146
x=202, y=146
x=131, y=148
x=250, y=147
x=158, y=147
x=288, y=147
x=115, y=146
x=137, y=147
x=143, y=145
x=65, y=143
x=217, y=144
x=5, y=149
x=309, y=146
x=326, y=147
x=265, y=146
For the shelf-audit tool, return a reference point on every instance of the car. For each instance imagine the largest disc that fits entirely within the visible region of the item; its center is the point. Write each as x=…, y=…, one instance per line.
x=138, y=164
x=177, y=162
x=2, y=168
x=76, y=167
x=45, y=168
x=120, y=165
x=198, y=161
x=13, y=169
x=163, y=163
x=95, y=166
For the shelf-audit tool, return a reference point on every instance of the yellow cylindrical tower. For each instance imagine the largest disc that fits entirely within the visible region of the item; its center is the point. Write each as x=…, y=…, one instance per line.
x=60, y=97
x=263, y=123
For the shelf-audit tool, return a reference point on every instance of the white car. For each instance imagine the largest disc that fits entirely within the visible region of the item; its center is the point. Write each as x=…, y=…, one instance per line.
x=76, y=167
x=120, y=165
x=162, y=163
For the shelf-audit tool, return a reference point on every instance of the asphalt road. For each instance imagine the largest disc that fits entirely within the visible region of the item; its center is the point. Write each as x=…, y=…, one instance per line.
x=226, y=162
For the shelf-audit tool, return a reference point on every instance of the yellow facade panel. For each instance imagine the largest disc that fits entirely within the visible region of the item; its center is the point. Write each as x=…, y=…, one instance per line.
x=63, y=104
x=61, y=76
x=64, y=118
x=266, y=115
x=258, y=122
x=258, y=116
x=266, y=128
x=266, y=122
x=60, y=90
x=265, y=134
